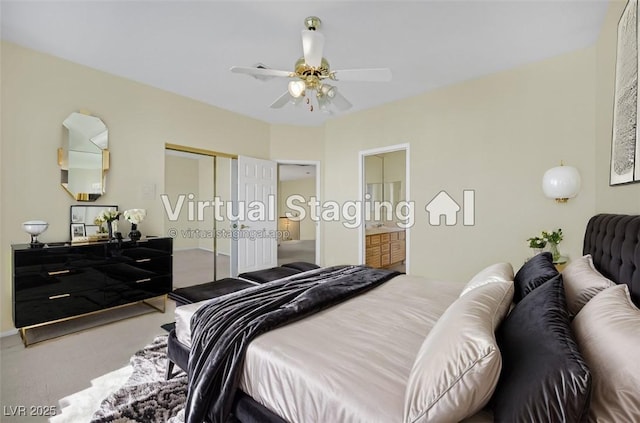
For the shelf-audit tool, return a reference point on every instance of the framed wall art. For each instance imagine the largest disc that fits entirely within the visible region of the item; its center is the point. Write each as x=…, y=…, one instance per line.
x=625, y=146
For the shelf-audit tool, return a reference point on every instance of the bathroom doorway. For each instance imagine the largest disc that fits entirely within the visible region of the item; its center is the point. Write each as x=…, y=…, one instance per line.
x=384, y=187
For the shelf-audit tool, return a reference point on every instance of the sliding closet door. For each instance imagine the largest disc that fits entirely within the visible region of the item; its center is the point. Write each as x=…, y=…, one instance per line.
x=189, y=178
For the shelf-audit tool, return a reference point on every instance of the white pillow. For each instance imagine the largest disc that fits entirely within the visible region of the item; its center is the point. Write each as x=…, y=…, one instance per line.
x=607, y=330
x=458, y=365
x=499, y=272
x=582, y=282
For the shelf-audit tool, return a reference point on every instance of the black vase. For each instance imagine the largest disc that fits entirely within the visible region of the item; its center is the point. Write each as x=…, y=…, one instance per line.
x=110, y=229
x=135, y=234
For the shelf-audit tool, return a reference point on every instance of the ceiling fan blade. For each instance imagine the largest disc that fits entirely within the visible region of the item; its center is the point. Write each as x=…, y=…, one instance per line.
x=339, y=100
x=312, y=46
x=260, y=71
x=364, y=75
x=281, y=101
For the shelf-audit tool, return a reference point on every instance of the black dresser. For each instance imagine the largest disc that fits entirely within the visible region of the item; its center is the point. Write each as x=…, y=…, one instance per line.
x=60, y=281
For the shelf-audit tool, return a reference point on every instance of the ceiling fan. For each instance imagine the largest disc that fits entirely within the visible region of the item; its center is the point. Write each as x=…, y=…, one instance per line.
x=311, y=72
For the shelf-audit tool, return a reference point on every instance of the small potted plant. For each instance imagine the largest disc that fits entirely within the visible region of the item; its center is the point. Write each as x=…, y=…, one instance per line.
x=553, y=238
x=537, y=244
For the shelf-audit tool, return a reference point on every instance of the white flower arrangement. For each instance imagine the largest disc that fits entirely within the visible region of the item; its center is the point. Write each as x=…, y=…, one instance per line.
x=135, y=216
x=107, y=216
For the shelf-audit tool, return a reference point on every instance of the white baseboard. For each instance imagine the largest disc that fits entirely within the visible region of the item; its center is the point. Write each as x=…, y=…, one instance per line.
x=8, y=333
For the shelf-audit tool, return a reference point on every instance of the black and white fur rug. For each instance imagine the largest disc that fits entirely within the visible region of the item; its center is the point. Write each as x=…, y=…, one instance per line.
x=145, y=396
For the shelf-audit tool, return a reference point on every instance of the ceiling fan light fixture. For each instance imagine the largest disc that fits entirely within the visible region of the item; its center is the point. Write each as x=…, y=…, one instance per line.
x=310, y=72
x=296, y=88
x=295, y=100
x=312, y=23
x=323, y=102
x=328, y=90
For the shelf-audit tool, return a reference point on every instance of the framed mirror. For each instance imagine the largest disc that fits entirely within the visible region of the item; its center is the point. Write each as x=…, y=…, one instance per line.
x=84, y=157
x=83, y=220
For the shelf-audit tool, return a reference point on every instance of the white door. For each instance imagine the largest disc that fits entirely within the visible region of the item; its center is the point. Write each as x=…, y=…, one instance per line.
x=258, y=222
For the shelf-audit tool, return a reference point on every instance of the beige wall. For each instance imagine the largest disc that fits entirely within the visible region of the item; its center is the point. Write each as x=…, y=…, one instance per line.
x=40, y=91
x=307, y=188
x=296, y=142
x=373, y=169
x=495, y=135
x=621, y=198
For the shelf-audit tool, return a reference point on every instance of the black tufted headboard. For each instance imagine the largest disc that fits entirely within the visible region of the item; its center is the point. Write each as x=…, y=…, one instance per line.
x=613, y=240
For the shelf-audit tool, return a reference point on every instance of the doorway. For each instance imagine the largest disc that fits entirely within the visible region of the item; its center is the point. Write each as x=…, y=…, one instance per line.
x=384, y=190
x=201, y=254
x=299, y=234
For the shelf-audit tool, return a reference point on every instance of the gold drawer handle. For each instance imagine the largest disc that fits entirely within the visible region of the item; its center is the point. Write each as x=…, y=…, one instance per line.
x=55, y=297
x=143, y=260
x=143, y=280
x=59, y=272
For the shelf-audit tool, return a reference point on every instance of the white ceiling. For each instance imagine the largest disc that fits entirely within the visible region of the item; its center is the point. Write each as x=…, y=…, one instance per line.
x=187, y=47
x=291, y=172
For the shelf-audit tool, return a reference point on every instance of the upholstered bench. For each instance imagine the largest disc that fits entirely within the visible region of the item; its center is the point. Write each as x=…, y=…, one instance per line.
x=268, y=275
x=302, y=266
x=205, y=291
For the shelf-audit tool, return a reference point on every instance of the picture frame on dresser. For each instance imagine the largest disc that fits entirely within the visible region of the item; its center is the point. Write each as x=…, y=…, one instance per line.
x=625, y=146
x=78, y=231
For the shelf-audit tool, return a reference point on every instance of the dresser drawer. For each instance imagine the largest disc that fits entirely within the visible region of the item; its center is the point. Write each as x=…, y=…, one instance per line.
x=137, y=269
x=373, y=251
x=397, y=246
x=374, y=261
x=142, y=250
x=55, y=307
x=34, y=286
x=137, y=290
x=374, y=239
x=384, y=238
x=37, y=260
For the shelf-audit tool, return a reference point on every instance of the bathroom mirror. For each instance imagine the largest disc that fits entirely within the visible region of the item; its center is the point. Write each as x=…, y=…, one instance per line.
x=84, y=156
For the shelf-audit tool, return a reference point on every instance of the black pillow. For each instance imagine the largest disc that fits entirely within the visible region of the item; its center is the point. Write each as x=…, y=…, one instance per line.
x=536, y=271
x=544, y=377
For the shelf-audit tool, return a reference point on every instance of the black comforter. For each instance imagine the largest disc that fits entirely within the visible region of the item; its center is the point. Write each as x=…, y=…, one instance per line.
x=223, y=328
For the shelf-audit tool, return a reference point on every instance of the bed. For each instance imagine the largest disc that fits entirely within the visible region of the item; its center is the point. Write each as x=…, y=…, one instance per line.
x=412, y=349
